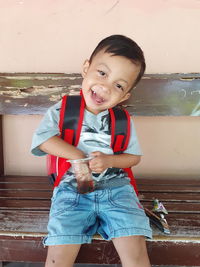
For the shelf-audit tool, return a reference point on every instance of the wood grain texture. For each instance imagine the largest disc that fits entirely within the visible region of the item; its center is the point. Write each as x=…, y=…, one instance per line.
x=155, y=95
x=1, y=147
x=24, y=208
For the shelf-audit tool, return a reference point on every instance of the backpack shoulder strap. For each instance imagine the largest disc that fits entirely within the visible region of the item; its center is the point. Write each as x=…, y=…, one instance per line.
x=120, y=136
x=71, y=117
x=120, y=129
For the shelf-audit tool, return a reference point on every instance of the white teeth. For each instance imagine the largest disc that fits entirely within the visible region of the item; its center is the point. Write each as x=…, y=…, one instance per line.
x=96, y=93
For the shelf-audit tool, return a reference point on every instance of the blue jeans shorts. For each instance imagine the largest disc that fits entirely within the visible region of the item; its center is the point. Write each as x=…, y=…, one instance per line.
x=112, y=212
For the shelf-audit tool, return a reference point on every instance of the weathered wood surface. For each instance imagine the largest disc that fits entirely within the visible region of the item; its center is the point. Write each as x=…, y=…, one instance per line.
x=24, y=208
x=156, y=94
x=101, y=252
x=29, y=197
x=1, y=148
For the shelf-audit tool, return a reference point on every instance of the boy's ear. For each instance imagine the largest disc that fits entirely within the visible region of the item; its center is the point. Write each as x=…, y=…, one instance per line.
x=125, y=97
x=85, y=68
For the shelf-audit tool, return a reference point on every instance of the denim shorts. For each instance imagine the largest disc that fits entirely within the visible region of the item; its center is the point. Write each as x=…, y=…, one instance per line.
x=112, y=212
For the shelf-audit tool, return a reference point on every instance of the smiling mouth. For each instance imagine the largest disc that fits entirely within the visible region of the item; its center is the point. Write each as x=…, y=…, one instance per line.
x=98, y=99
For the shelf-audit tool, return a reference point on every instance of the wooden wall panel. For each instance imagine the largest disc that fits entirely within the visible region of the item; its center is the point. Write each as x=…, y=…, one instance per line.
x=155, y=95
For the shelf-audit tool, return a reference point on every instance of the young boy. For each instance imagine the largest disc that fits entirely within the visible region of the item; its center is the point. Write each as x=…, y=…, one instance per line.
x=112, y=209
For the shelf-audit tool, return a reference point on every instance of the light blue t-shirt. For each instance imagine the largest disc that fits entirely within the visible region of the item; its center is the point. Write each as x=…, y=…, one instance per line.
x=95, y=136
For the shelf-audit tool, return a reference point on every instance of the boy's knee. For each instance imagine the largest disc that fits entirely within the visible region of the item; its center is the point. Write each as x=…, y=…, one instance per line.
x=61, y=255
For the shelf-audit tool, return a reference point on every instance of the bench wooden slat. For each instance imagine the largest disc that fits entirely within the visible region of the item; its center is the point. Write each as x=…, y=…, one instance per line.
x=26, y=221
x=25, y=186
x=27, y=194
x=38, y=204
x=32, y=204
x=101, y=252
x=173, y=196
x=43, y=186
x=161, y=188
x=177, y=180
x=24, y=211
x=188, y=181
x=33, y=93
x=178, y=207
x=24, y=179
x=15, y=194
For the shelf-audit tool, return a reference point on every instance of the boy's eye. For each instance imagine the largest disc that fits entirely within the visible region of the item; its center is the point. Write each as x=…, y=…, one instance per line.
x=101, y=73
x=119, y=86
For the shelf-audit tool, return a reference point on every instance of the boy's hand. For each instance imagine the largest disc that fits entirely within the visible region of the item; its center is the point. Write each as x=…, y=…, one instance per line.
x=100, y=162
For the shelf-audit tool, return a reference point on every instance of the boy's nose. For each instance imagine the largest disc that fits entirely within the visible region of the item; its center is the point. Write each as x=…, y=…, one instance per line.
x=101, y=88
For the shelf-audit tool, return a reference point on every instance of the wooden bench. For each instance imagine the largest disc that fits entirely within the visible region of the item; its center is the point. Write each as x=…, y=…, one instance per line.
x=25, y=200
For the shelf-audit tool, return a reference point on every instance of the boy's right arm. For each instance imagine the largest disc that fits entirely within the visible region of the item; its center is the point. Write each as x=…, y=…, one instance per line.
x=58, y=147
x=46, y=138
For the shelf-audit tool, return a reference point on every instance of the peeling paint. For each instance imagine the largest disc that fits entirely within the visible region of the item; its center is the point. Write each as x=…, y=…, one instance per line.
x=157, y=94
x=55, y=98
x=32, y=91
x=76, y=86
x=146, y=78
x=23, y=234
x=187, y=79
x=195, y=92
x=40, y=78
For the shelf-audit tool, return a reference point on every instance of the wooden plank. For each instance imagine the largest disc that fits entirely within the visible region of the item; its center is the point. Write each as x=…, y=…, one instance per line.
x=169, y=188
x=15, y=194
x=156, y=94
x=1, y=146
x=177, y=207
x=22, y=249
x=174, y=253
x=25, y=186
x=24, y=179
x=28, y=204
x=170, y=197
x=19, y=222
x=102, y=252
x=179, y=180
x=173, y=180
x=34, y=204
x=30, y=221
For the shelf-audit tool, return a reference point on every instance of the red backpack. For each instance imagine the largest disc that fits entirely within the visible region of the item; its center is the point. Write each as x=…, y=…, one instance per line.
x=70, y=124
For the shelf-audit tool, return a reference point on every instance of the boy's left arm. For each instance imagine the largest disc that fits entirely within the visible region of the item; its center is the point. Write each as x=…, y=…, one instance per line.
x=103, y=161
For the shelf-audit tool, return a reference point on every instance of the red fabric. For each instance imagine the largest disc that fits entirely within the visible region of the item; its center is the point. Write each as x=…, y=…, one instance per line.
x=62, y=112
x=128, y=129
x=51, y=164
x=132, y=179
x=118, y=143
x=62, y=164
x=69, y=134
x=82, y=108
x=112, y=116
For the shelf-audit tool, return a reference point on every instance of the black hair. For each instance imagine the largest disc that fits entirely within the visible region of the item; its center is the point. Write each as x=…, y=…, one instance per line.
x=120, y=45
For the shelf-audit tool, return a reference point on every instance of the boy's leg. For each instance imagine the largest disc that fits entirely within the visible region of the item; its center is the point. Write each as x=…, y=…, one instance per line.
x=132, y=251
x=62, y=255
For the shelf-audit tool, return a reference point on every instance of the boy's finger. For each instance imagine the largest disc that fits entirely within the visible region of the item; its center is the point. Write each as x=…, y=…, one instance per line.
x=95, y=153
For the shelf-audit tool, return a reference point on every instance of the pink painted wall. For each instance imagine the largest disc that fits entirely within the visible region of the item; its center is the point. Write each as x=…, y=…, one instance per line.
x=57, y=36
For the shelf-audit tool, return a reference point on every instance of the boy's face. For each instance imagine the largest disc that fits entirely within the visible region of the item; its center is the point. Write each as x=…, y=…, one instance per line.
x=107, y=81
